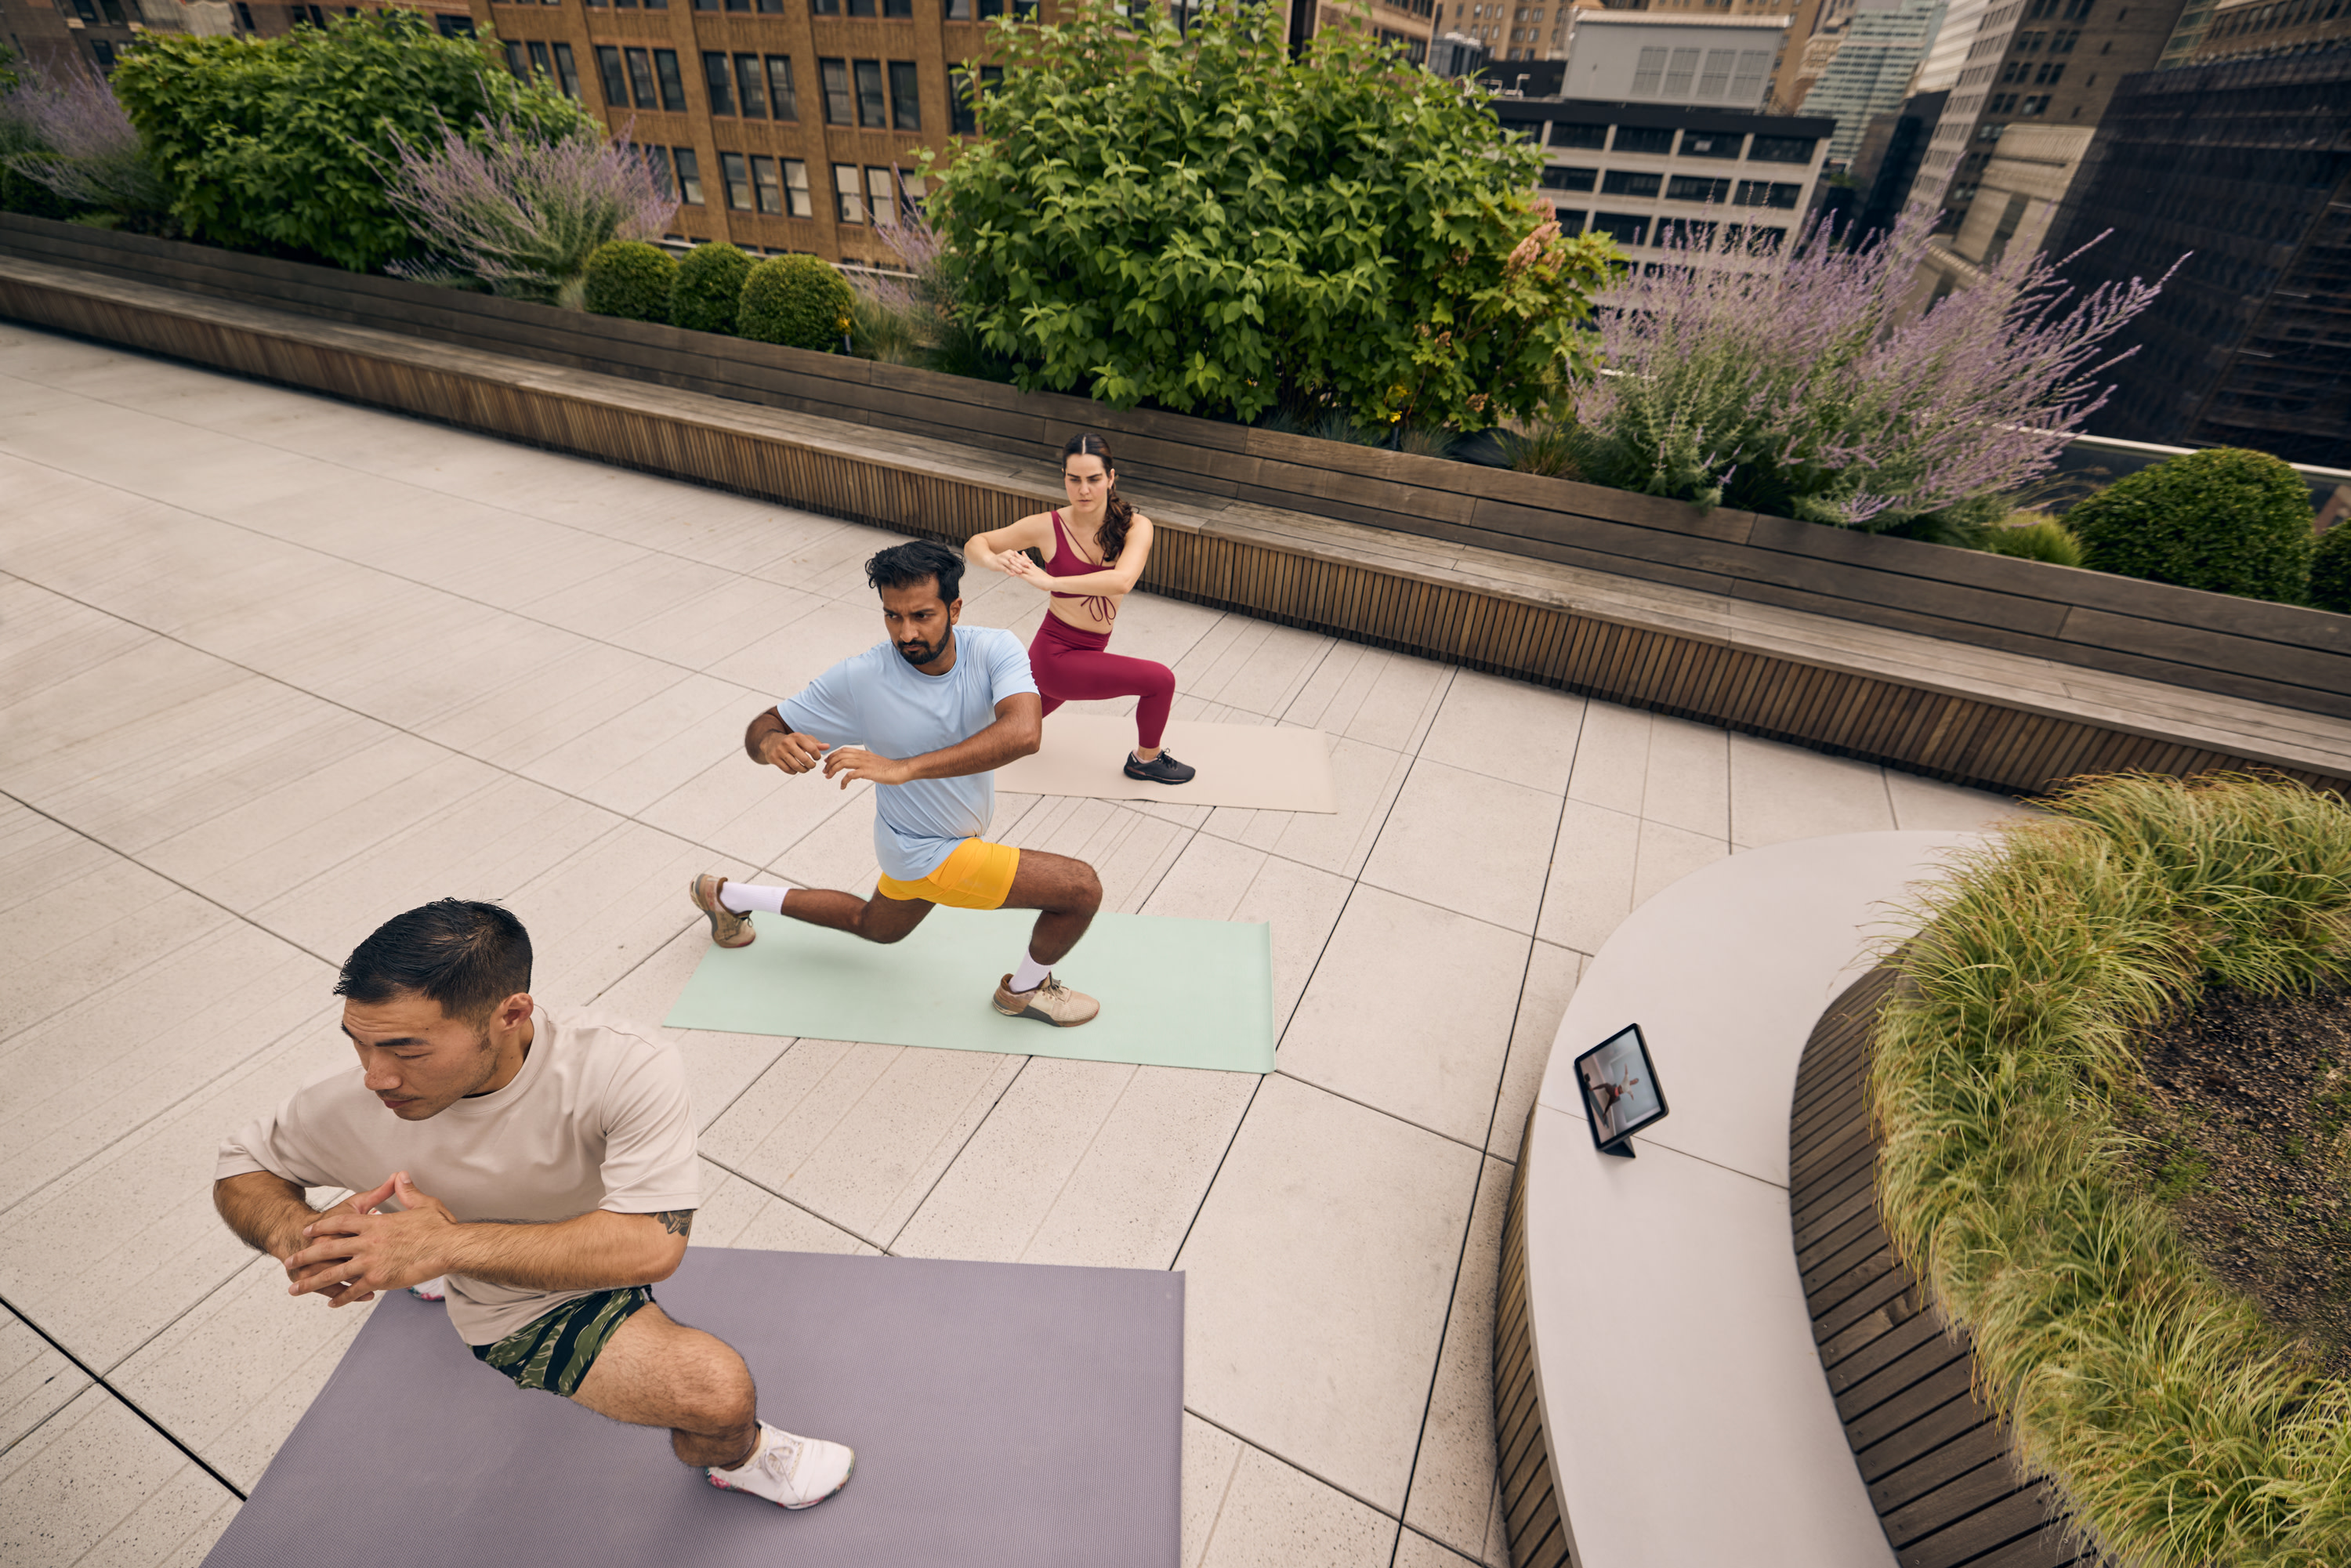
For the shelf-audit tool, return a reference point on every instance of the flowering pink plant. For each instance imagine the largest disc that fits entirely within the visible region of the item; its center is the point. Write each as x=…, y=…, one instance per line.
x=522, y=213
x=1808, y=387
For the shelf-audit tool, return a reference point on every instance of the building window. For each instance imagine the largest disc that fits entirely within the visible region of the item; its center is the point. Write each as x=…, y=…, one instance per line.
x=905, y=96
x=964, y=95
x=640, y=78
x=516, y=64
x=1781, y=149
x=2034, y=105
x=735, y=169
x=871, y=109
x=1712, y=144
x=1640, y=139
x=882, y=196
x=1766, y=193
x=1740, y=237
x=454, y=26
x=1625, y=183
x=689, y=176
x=897, y=7
x=835, y=75
x=824, y=8
x=1558, y=178
x=616, y=84
x=750, y=87
x=765, y=188
x=1692, y=188
x=673, y=81
x=796, y=190
x=541, y=62
x=848, y=196
x=1691, y=234
x=959, y=10
x=567, y=70
x=1564, y=134
x=1625, y=229
x=657, y=159
x=722, y=88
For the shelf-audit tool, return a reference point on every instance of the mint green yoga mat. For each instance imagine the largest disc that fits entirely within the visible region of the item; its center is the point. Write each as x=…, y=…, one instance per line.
x=1173, y=993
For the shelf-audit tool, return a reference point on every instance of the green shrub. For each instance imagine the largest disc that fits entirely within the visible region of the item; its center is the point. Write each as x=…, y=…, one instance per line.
x=632, y=280
x=2226, y=520
x=708, y=288
x=2183, y=1429
x=283, y=145
x=2330, y=570
x=2032, y=536
x=799, y=302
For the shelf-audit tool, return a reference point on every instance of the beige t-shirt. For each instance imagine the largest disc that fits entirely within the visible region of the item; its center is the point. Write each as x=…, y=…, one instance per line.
x=598, y=1118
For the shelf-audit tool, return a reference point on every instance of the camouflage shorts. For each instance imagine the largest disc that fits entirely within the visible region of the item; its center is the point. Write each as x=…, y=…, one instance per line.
x=554, y=1352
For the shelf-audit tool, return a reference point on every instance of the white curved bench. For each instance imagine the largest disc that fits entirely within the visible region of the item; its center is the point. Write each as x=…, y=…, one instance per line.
x=1681, y=1399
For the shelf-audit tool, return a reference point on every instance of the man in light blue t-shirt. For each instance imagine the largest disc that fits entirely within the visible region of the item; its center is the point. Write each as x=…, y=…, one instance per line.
x=926, y=718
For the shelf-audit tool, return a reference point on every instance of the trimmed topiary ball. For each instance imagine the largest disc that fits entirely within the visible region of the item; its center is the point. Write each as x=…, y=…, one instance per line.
x=2330, y=570
x=709, y=283
x=633, y=279
x=2226, y=520
x=799, y=301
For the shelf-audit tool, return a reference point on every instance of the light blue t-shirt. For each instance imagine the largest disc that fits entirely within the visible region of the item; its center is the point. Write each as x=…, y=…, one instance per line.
x=879, y=701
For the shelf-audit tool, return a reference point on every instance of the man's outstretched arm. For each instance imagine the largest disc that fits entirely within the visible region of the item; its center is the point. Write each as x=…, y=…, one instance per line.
x=265, y=1210
x=1018, y=730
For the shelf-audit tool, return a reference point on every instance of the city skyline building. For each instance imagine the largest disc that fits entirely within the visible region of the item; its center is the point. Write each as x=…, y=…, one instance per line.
x=1870, y=74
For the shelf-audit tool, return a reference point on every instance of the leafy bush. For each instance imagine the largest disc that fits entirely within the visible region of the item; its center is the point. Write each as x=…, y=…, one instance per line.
x=1800, y=387
x=67, y=135
x=2330, y=570
x=1200, y=220
x=2226, y=520
x=523, y=213
x=280, y=145
x=630, y=278
x=709, y=287
x=800, y=301
x=2182, y=1428
x=2032, y=536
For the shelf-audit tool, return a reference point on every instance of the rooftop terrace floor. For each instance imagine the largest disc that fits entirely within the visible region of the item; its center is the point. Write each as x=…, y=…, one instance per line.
x=273, y=668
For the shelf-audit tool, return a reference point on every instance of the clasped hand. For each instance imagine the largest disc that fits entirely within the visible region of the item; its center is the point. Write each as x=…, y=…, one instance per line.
x=796, y=753
x=354, y=1249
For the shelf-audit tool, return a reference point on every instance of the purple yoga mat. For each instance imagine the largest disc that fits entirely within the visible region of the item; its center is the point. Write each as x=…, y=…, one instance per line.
x=1002, y=1414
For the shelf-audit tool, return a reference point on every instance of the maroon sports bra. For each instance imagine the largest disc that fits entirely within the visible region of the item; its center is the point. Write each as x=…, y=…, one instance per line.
x=1067, y=563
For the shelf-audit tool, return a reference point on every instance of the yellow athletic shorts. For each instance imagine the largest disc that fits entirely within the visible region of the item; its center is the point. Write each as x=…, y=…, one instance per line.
x=978, y=876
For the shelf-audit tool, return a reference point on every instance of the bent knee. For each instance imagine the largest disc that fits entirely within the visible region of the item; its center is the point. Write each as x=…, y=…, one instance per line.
x=1088, y=892
x=1161, y=683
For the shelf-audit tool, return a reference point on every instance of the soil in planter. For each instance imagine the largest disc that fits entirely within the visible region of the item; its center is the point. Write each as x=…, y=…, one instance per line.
x=2246, y=1108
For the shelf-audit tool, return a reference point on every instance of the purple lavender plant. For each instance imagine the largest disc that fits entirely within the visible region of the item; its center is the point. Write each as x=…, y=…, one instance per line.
x=522, y=213
x=69, y=132
x=1806, y=387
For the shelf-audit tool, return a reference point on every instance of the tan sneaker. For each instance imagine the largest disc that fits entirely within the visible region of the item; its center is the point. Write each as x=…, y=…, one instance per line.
x=728, y=929
x=1052, y=1002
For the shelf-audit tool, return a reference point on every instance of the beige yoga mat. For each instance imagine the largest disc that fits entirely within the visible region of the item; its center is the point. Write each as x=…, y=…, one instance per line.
x=1258, y=765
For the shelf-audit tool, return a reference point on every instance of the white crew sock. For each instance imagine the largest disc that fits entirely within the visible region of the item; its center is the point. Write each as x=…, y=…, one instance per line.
x=1030, y=974
x=748, y=898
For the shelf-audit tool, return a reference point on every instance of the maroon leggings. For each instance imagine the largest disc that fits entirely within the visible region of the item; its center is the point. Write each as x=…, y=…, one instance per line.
x=1072, y=665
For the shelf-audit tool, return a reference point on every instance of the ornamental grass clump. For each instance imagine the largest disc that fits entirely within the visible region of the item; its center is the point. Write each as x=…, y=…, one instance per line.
x=1798, y=386
x=521, y=211
x=2183, y=1430
x=69, y=135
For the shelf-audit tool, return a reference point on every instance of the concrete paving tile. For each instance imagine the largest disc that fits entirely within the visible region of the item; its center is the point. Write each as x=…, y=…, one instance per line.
x=1130, y=850
x=212, y=996
x=1782, y=792
x=1415, y=1550
x=754, y=813
x=609, y=906
x=152, y=1506
x=829, y=560
x=1275, y=1516
x=105, y=701
x=72, y=940
x=39, y=858
x=713, y=622
x=1368, y=779
x=542, y=708
x=1668, y=854
x=1592, y=874
x=1508, y=730
x=1612, y=758
x=738, y=1213
x=1252, y=666
x=1215, y=879
x=1455, y=1478
x=858, y=1133
x=1211, y=1456
x=837, y=852
x=121, y=1246
x=37, y=1380
x=1478, y=845
x=718, y=1067
x=1319, y=1273
x=1689, y=783
x=232, y=1375
x=1930, y=803
x=779, y=661
x=1409, y=1011
x=1139, y=1185
x=1552, y=973
x=46, y=638
x=1369, y=694
x=632, y=757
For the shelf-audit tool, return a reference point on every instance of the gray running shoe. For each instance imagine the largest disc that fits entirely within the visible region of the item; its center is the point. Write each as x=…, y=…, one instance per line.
x=1051, y=1002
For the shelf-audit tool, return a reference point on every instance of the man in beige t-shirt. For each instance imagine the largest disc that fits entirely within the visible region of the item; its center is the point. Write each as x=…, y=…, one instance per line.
x=541, y=1165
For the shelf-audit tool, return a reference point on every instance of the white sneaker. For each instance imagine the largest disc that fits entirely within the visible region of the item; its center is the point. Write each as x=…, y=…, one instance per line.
x=796, y=1472
x=431, y=1290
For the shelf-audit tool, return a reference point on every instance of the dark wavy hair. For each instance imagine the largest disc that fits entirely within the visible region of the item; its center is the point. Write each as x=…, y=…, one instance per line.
x=911, y=564
x=467, y=956
x=1117, y=516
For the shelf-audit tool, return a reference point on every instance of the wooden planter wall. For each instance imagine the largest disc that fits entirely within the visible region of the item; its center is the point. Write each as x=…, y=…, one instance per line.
x=1938, y=1462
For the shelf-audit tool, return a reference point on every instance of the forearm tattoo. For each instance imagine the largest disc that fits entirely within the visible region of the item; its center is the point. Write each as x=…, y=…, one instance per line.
x=676, y=1221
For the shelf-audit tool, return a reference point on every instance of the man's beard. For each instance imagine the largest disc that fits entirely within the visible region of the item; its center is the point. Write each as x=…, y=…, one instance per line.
x=920, y=652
